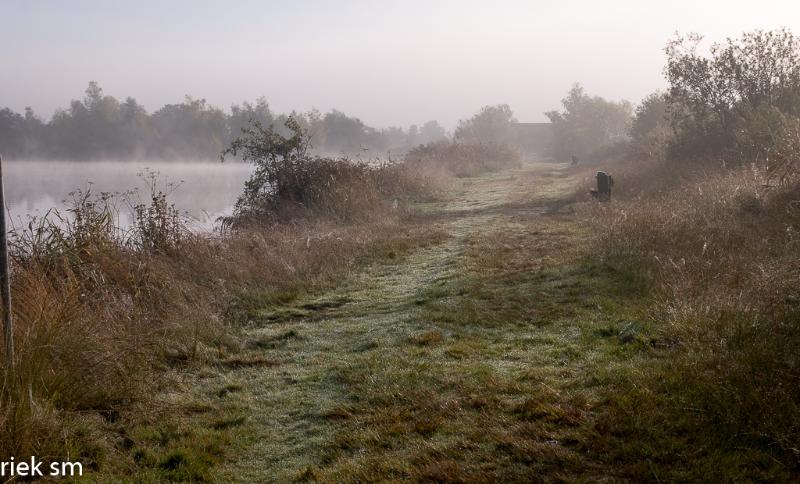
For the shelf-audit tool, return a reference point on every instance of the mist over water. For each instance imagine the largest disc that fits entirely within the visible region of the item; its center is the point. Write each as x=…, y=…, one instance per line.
x=203, y=190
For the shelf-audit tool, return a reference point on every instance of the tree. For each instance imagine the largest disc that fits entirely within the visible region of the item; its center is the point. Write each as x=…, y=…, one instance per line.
x=99, y=126
x=192, y=129
x=12, y=133
x=492, y=124
x=86, y=129
x=243, y=115
x=431, y=132
x=341, y=133
x=650, y=129
x=715, y=97
x=134, y=132
x=277, y=159
x=588, y=125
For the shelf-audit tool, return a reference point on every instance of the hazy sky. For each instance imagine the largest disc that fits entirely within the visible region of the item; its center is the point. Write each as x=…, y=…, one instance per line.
x=388, y=62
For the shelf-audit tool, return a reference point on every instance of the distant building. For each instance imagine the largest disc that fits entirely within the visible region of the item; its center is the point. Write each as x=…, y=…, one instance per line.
x=535, y=139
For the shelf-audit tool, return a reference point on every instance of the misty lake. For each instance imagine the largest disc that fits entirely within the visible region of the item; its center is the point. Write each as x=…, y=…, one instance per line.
x=204, y=190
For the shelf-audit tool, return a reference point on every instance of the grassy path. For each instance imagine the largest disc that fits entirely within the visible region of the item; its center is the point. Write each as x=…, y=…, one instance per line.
x=468, y=360
x=501, y=351
x=292, y=403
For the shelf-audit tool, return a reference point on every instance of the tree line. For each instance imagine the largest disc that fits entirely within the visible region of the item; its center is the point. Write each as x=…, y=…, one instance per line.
x=100, y=126
x=739, y=103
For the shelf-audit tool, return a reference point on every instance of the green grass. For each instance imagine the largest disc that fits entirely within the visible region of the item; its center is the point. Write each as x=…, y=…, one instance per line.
x=182, y=441
x=501, y=375
x=504, y=351
x=451, y=363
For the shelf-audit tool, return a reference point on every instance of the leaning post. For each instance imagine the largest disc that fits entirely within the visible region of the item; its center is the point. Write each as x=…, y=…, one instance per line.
x=5, y=281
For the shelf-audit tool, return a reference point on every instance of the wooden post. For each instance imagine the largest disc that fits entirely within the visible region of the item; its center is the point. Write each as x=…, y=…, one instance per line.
x=5, y=280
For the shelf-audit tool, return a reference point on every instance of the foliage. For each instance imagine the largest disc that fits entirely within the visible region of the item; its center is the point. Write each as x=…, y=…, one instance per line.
x=650, y=130
x=771, y=138
x=274, y=157
x=157, y=226
x=715, y=96
x=98, y=224
x=492, y=124
x=462, y=159
x=101, y=127
x=191, y=129
x=20, y=134
x=588, y=125
x=430, y=132
x=289, y=182
x=718, y=252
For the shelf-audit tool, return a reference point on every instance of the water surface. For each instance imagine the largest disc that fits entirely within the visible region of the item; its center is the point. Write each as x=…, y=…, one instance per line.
x=204, y=190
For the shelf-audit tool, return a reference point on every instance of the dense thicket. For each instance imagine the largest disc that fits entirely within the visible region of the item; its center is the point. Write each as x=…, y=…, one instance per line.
x=101, y=127
x=738, y=104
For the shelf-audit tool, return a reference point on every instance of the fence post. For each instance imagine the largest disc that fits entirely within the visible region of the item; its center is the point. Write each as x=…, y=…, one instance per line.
x=5, y=281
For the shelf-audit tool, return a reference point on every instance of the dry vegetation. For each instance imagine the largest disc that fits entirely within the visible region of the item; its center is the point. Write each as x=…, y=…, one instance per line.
x=511, y=332
x=388, y=349
x=464, y=160
x=708, y=229
x=106, y=315
x=717, y=252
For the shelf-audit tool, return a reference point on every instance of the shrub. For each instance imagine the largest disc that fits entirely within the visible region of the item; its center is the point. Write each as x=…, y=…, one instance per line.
x=492, y=124
x=462, y=160
x=289, y=183
x=157, y=226
x=770, y=138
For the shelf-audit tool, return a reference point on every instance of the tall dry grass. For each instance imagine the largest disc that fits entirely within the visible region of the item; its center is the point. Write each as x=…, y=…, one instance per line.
x=720, y=253
x=102, y=308
x=463, y=159
x=335, y=189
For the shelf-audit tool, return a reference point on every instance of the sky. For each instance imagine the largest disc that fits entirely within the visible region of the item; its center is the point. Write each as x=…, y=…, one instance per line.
x=388, y=62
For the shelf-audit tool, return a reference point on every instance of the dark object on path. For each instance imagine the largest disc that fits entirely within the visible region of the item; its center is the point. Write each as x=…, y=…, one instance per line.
x=604, y=184
x=574, y=160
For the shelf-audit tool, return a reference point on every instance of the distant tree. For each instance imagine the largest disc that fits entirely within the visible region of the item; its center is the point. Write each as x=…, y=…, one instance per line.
x=134, y=132
x=431, y=132
x=588, y=125
x=34, y=134
x=342, y=133
x=86, y=130
x=393, y=138
x=99, y=126
x=650, y=129
x=12, y=133
x=492, y=124
x=246, y=113
x=191, y=129
x=413, y=137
